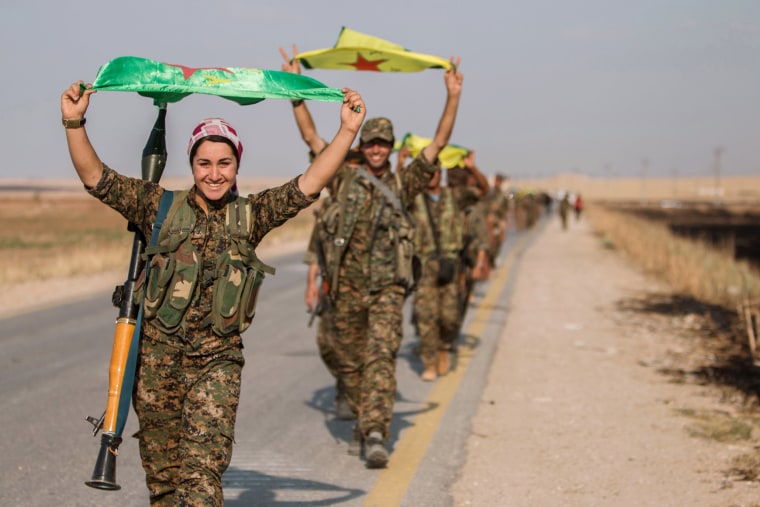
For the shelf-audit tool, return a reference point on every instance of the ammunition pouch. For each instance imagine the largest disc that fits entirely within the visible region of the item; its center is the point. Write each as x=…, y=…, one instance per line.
x=236, y=292
x=408, y=264
x=174, y=270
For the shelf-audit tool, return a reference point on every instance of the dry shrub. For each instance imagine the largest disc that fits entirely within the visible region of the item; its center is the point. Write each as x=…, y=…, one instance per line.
x=689, y=267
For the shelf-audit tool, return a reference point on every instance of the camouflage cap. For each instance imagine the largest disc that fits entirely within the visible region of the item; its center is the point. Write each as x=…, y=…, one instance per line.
x=377, y=128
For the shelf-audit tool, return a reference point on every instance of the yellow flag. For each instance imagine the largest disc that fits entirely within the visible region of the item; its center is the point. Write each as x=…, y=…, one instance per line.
x=359, y=51
x=451, y=155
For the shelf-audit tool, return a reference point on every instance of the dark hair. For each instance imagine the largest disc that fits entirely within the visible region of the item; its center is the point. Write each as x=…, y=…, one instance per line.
x=214, y=139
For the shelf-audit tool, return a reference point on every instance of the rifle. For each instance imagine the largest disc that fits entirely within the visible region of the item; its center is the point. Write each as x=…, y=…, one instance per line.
x=126, y=336
x=324, y=301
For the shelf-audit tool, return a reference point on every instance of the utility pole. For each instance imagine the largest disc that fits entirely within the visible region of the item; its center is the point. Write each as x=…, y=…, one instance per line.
x=716, y=195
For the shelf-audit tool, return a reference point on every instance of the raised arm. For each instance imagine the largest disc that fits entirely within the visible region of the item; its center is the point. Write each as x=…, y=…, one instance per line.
x=302, y=115
x=480, y=180
x=453, y=79
x=327, y=162
x=74, y=103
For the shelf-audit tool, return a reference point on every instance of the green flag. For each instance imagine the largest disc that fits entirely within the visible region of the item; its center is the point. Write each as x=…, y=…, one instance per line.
x=358, y=51
x=166, y=83
x=451, y=155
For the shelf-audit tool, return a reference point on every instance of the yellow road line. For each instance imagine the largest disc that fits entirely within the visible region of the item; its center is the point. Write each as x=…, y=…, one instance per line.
x=392, y=483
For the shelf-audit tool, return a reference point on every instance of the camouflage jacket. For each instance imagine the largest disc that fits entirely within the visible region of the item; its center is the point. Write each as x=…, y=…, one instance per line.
x=448, y=216
x=365, y=253
x=476, y=229
x=137, y=200
x=498, y=203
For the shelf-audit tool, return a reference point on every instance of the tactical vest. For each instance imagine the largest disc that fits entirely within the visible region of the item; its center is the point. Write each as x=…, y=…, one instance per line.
x=336, y=225
x=450, y=226
x=175, y=267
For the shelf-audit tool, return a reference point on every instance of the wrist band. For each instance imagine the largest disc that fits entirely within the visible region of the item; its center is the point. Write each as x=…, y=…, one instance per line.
x=296, y=103
x=73, y=124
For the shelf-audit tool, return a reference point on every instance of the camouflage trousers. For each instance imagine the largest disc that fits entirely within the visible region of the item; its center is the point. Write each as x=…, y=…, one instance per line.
x=186, y=407
x=362, y=350
x=327, y=350
x=436, y=313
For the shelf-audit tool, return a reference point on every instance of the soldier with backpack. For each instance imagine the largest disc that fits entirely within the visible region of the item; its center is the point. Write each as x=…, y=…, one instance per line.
x=439, y=214
x=371, y=266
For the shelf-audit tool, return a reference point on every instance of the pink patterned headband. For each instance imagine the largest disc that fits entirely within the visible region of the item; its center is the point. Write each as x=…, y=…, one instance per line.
x=215, y=127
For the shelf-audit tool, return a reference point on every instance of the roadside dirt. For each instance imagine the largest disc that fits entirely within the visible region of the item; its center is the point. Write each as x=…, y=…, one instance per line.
x=607, y=390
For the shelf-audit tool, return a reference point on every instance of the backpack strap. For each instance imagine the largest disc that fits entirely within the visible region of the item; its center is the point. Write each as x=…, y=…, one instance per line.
x=239, y=225
x=163, y=209
x=382, y=187
x=175, y=199
x=340, y=238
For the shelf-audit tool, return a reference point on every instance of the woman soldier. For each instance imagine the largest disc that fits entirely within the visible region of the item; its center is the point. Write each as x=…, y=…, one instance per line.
x=188, y=376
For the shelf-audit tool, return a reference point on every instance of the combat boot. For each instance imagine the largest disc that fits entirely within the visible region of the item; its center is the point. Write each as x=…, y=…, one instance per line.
x=375, y=450
x=355, y=445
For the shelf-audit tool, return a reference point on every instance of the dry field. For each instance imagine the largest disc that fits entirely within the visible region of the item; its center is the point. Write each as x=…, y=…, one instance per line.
x=728, y=189
x=57, y=230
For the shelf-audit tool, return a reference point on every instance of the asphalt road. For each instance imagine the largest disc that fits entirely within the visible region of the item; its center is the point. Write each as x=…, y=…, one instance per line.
x=290, y=450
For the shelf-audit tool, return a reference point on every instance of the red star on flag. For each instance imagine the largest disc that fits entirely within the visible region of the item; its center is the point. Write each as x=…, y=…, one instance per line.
x=364, y=64
x=189, y=71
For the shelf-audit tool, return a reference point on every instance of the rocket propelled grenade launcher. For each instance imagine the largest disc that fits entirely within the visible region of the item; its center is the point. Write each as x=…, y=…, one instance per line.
x=127, y=332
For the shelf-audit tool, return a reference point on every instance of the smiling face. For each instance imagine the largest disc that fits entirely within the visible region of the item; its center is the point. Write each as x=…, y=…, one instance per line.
x=376, y=153
x=214, y=170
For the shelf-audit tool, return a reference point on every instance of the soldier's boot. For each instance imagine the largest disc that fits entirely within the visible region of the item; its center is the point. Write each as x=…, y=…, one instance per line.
x=375, y=450
x=430, y=373
x=342, y=409
x=355, y=445
x=444, y=362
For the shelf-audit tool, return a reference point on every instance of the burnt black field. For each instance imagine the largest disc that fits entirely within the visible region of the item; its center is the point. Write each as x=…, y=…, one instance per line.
x=733, y=228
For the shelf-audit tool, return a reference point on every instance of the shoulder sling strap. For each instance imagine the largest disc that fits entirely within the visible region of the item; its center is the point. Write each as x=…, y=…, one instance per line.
x=134, y=345
x=392, y=198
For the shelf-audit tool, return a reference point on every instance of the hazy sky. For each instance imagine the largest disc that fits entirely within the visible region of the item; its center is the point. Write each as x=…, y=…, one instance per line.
x=550, y=86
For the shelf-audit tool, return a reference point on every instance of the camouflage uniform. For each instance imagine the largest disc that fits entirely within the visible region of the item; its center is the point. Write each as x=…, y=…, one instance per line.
x=475, y=232
x=368, y=296
x=564, y=209
x=436, y=305
x=188, y=383
x=325, y=340
x=498, y=204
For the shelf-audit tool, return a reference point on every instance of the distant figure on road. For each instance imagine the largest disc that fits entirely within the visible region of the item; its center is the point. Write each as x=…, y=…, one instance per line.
x=564, y=209
x=498, y=202
x=578, y=207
